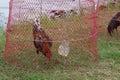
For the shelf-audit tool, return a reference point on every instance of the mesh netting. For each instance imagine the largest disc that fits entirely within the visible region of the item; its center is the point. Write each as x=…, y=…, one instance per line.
x=71, y=20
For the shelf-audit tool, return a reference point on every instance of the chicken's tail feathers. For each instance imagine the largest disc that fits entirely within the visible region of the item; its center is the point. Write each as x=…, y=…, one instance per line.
x=48, y=55
x=46, y=50
x=109, y=30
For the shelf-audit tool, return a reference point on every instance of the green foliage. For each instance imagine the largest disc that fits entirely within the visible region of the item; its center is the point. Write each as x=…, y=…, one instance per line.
x=111, y=50
x=2, y=38
x=47, y=23
x=113, y=6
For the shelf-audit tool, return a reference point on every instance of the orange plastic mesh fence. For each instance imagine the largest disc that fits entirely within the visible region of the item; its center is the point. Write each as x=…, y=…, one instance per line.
x=71, y=20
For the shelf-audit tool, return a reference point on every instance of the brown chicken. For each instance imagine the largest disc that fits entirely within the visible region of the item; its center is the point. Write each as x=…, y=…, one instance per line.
x=42, y=42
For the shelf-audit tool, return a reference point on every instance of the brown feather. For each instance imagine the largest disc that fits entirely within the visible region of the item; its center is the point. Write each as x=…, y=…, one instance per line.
x=42, y=42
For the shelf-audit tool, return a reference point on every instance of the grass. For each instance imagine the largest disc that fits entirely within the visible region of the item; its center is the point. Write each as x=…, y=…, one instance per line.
x=2, y=38
x=107, y=67
x=79, y=64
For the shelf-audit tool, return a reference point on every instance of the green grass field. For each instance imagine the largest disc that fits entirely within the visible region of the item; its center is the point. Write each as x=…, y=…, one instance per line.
x=72, y=67
x=107, y=67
